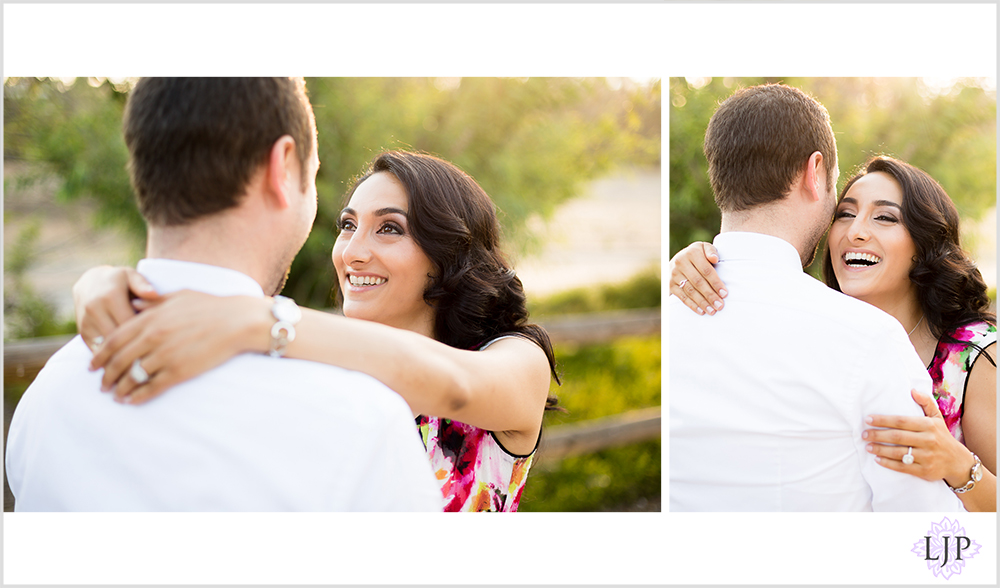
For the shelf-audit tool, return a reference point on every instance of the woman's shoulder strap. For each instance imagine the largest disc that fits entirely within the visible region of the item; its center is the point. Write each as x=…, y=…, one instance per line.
x=510, y=335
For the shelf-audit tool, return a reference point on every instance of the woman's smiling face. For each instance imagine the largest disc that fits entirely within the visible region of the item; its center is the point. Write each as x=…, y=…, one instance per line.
x=381, y=270
x=872, y=252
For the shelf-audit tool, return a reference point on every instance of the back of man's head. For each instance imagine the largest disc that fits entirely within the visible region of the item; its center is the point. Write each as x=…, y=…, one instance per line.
x=758, y=142
x=194, y=143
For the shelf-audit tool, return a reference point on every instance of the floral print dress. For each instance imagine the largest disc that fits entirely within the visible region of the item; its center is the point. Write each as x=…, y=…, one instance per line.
x=950, y=369
x=474, y=470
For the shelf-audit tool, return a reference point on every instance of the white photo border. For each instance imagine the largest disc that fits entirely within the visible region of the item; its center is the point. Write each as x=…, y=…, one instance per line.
x=621, y=40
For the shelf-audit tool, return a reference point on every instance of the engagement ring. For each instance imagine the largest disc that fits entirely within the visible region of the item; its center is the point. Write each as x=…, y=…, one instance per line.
x=908, y=458
x=138, y=374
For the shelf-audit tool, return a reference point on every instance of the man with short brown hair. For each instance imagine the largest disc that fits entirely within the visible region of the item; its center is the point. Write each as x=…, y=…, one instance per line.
x=225, y=173
x=768, y=399
x=752, y=158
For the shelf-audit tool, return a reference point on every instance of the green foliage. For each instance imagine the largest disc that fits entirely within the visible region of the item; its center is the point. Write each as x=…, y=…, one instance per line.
x=693, y=215
x=608, y=378
x=951, y=136
x=12, y=393
x=74, y=132
x=531, y=143
x=641, y=291
x=602, y=380
x=26, y=314
x=619, y=479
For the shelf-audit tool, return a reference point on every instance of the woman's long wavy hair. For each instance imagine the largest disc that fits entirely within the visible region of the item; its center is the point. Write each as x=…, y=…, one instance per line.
x=950, y=289
x=475, y=293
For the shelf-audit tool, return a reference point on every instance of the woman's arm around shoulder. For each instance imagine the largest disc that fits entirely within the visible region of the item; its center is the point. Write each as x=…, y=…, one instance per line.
x=502, y=388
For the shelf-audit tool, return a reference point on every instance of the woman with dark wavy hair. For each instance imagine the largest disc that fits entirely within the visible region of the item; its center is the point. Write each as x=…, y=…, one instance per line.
x=443, y=323
x=894, y=243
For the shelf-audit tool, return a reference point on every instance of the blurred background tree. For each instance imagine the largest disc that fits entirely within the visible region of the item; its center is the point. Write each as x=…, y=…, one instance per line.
x=531, y=143
x=948, y=129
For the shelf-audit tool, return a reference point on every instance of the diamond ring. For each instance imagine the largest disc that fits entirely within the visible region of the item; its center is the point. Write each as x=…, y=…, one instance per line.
x=908, y=458
x=138, y=374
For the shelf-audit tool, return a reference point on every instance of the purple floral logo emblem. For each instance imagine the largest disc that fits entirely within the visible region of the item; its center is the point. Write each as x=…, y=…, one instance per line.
x=946, y=548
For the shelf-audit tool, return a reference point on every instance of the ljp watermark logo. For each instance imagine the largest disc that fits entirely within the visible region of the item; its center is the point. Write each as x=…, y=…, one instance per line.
x=946, y=548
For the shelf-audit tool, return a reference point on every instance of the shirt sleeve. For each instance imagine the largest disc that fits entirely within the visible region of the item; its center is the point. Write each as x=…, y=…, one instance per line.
x=398, y=476
x=892, y=369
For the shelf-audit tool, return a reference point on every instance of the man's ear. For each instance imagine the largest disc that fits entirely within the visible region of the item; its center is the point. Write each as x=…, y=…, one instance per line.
x=282, y=170
x=814, y=177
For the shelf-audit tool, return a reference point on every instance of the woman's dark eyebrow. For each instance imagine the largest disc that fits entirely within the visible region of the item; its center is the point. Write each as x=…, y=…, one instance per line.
x=379, y=212
x=389, y=210
x=877, y=202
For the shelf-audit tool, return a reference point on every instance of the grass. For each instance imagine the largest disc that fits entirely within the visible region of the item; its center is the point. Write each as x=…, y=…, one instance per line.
x=641, y=291
x=602, y=380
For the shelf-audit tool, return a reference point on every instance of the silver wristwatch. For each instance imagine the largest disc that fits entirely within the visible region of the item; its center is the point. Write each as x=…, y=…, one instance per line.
x=975, y=475
x=287, y=315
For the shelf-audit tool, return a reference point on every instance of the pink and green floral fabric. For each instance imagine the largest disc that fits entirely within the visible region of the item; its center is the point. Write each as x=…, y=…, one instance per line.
x=950, y=369
x=475, y=472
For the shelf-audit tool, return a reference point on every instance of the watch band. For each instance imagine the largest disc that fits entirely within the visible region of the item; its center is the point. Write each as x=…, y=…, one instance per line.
x=975, y=474
x=286, y=314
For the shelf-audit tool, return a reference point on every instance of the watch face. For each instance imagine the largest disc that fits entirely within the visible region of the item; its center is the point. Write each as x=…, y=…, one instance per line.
x=977, y=473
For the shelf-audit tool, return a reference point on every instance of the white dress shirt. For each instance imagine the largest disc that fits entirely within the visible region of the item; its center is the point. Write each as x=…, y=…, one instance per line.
x=768, y=397
x=255, y=434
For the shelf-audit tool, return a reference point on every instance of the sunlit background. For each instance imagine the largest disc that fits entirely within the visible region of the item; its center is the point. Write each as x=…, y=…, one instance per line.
x=572, y=164
x=945, y=126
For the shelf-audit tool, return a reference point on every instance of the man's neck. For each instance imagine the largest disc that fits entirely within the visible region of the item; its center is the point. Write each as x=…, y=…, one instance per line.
x=773, y=220
x=211, y=241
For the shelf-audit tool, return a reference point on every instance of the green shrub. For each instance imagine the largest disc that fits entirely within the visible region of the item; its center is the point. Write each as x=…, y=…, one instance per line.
x=26, y=313
x=619, y=479
x=602, y=380
x=641, y=291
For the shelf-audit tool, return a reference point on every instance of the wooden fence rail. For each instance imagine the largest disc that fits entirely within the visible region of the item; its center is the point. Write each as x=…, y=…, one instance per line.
x=23, y=359
x=562, y=441
x=599, y=327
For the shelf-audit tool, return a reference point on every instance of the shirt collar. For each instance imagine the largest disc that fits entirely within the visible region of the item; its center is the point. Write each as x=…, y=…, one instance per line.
x=736, y=246
x=170, y=275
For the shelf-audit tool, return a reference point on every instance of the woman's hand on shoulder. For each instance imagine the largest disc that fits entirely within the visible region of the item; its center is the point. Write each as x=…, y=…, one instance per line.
x=936, y=453
x=177, y=337
x=101, y=300
x=694, y=280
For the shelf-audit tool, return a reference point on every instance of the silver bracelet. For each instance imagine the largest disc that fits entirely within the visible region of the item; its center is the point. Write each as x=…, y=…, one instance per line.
x=974, y=476
x=287, y=314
